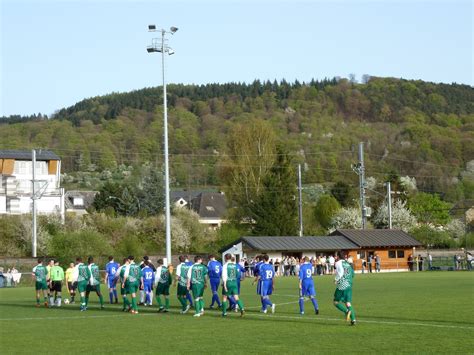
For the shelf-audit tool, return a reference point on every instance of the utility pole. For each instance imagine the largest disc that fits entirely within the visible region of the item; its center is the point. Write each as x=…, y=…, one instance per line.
x=359, y=169
x=300, y=210
x=33, y=197
x=389, y=202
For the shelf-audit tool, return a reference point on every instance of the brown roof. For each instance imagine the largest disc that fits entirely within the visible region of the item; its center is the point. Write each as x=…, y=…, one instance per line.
x=371, y=238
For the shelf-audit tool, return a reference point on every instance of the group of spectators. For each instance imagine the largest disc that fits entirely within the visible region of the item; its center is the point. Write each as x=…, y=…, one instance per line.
x=290, y=265
x=11, y=278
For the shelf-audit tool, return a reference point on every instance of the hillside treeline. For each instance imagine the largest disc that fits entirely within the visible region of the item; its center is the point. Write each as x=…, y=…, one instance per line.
x=410, y=128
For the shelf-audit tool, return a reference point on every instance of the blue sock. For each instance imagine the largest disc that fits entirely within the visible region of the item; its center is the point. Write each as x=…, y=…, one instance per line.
x=218, y=301
x=269, y=302
x=115, y=294
x=262, y=300
x=301, y=305
x=189, y=298
x=315, y=303
x=111, y=297
x=147, y=298
x=232, y=302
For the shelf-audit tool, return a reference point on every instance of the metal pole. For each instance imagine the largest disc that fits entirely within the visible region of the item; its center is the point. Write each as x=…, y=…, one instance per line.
x=33, y=197
x=389, y=201
x=300, y=210
x=362, y=184
x=167, y=176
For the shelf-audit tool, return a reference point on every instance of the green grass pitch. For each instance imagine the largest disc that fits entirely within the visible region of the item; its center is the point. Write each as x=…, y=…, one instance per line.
x=399, y=312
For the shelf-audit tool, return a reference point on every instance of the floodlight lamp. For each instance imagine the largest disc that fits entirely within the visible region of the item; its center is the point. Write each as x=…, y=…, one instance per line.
x=173, y=29
x=152, y=49
x=151, y=27
x=170, y=51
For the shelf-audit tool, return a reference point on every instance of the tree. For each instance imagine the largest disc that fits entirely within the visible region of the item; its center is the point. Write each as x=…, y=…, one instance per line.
x=150, y=194
x=252, y=151
x=402, y=218
x=342, y=193
x=325, y=209
x=348, y=217
x=274, y=209
x=429, y=208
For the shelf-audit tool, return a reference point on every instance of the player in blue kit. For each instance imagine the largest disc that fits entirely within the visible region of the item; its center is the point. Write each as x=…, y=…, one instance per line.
x=148, y=279
x=266, y=274
x=307, y=285
x=256, y=272
x=110, y=279
x=214, y=269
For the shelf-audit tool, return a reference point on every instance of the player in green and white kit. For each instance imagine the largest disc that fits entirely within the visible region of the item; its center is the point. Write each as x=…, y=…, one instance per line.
x=119, y=274
x=163, y=281
x=197, y=283
x=94, y=282
x=343, y=293
x=40, y=274
x=132, y=279
x=182, y=282
x=230, y=277
x=83, y=276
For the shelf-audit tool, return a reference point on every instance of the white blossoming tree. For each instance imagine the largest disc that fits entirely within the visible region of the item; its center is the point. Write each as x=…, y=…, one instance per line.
x=402, y=218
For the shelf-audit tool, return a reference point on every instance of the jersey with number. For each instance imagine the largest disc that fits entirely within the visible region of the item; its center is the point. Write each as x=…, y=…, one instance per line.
x=231, y=272
x=344, y=275
x=95, y=275
x=182, y=273
x=148, y=275
x=197, y=274
x=306, y=273
x=163, y=276
x=83, y=273
x=111, y=268
x=134, y=273
x=41, y=273
x=266, y=272
x=214, y=269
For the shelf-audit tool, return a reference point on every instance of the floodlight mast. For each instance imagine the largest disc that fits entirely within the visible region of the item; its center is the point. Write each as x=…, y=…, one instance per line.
x=162, y=47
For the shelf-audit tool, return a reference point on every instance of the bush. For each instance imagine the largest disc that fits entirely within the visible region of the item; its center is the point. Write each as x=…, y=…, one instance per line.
x=66, y=246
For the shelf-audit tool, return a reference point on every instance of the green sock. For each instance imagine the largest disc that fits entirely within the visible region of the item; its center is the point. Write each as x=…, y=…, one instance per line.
x=37, y=301
x=126, y=302
x=158, y=300
x=224, y=307
x=196, y=306
x=353, y=315
x=182, y=300
x=201, y=304
x=87, y=300
x=134, y=304
x=341, y=307
x=101, y=300
x=83, y=301
x=167, y=303
x=240, y=304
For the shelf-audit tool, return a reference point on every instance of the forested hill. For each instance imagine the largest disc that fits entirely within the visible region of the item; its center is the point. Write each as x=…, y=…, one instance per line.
x=414, y=128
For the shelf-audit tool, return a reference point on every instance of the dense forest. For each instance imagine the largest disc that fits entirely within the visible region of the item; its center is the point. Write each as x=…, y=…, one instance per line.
x=410, y=128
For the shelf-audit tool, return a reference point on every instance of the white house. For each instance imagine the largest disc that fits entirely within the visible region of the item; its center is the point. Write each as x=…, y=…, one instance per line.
x=16, y=182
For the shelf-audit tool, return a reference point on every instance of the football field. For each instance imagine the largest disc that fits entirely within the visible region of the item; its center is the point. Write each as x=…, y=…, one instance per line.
x=399, y=312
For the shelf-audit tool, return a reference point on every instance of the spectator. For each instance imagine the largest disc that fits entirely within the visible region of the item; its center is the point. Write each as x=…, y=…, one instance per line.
x=469, y=260
x=8, y=278
x=430, y=261
x=410, y=262
x=364, y=265
x=292, y=266
x=420, y=263
x=16, y=276
x=371, y=257
x=331, y=264
x=276, y=266
x=377, y=262
x=323, y=264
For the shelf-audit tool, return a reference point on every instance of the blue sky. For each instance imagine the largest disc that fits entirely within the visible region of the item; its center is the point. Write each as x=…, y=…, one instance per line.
x=58, y=52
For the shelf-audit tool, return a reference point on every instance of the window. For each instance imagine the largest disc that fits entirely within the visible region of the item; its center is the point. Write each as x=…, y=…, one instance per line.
x=396, y=254
x=78, y=201
x=210, y=208
x=362, y=254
